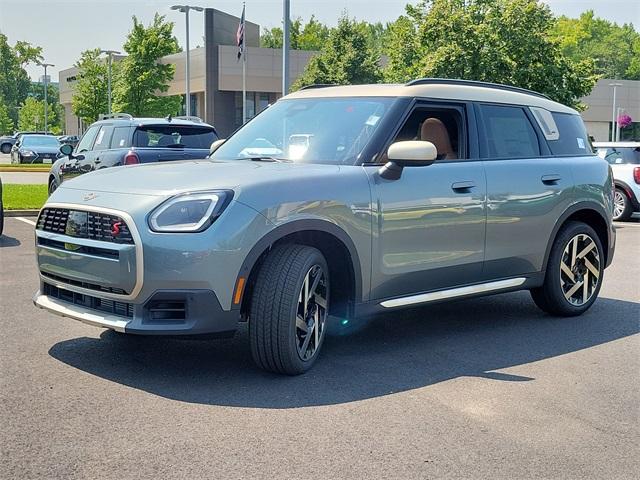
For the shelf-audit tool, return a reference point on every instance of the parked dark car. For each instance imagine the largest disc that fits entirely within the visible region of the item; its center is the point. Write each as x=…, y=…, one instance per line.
x=8, y=141
x=35, y=149
x=69, y=140
x=124, y=140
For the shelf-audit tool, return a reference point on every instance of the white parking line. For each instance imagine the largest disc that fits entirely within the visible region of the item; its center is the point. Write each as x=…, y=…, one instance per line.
x=26, y=220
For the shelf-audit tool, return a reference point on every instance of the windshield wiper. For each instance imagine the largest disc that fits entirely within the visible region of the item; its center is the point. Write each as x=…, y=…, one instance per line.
x=265, y=159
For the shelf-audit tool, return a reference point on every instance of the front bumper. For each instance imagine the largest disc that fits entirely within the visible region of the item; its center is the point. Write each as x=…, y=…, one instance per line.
x=168, y=312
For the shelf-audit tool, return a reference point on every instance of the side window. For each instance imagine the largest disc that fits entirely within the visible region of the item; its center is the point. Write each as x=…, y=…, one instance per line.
x=86, y=142
x=573, y=138
x=620, y=155
x=104, y=138
x=439, y=125
x=509, y=132
x=120, y=137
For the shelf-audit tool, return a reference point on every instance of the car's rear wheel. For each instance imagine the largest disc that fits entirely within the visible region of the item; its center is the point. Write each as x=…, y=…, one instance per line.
x=5, y=148
x=621, y=205
x=288, y=312
x=574, y=272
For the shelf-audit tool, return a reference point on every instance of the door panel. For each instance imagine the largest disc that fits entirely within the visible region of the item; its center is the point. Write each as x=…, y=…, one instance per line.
x=430, y=229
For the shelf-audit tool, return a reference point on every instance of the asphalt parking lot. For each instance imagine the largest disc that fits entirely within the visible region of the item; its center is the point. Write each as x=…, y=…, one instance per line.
x=485, y=388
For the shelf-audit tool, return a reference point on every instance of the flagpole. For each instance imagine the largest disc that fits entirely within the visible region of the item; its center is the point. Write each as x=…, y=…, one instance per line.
x=244, y=69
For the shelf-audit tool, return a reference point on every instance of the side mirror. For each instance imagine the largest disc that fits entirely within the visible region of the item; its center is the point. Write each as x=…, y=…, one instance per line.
x=66, y=150
x=413, y=153
x=216, y=145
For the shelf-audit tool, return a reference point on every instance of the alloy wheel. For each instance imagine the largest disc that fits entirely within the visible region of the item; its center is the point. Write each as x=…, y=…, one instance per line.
x=580, y=269
x=619, y=204
x=312, y=313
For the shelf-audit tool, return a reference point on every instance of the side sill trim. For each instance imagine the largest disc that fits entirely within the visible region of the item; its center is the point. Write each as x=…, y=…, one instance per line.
x=453, y=292
x=78, y=313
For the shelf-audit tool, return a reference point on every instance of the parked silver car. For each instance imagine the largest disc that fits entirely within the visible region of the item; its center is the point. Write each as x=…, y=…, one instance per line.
x=337, y=201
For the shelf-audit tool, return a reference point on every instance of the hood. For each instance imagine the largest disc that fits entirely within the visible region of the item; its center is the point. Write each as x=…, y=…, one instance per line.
x=176, y=177
x=40, y=150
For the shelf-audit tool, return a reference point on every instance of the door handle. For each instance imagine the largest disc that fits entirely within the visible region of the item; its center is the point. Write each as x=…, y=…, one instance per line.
x=97, y=160
x=552, y=179
x=462, y=186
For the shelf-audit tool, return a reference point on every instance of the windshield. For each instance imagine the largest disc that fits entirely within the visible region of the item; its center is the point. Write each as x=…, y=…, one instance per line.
x=617, y=155
x=40, y=141
x=174, y=136
x=309, y=130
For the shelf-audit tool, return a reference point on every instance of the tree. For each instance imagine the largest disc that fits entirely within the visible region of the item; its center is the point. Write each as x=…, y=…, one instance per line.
x=6, y=124
x=310, y=36
x=345, y=58
x=90, y=96
x=14, y=81
x=140, y=76
x=502, y=41
x=614, y=49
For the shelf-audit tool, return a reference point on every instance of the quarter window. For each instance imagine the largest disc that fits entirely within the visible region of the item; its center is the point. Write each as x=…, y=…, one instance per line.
x=120, y=137
x=509, y=132
x=573, y=136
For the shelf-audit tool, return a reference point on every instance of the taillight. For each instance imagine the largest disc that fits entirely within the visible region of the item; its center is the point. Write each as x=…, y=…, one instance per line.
x=636, y=175
x=131, y=158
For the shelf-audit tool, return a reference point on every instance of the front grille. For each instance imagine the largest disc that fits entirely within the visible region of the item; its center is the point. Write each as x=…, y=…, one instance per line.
x=83, y=224
x=121, y=309
x=88, y=286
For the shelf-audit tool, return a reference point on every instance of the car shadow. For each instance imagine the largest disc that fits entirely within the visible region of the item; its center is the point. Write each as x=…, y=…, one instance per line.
x=385, y=354
x=6, y=241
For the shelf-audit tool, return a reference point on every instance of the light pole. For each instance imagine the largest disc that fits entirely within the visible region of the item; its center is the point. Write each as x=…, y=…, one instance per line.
x=185, y=9
x=46, y=104
x=110, y=54
x=614, y=125
x=286, y=24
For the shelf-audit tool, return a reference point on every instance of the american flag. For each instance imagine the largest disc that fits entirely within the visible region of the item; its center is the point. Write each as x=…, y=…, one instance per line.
x=240, y=35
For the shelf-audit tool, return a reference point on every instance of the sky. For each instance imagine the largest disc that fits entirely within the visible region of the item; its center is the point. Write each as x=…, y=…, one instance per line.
x=64, y=28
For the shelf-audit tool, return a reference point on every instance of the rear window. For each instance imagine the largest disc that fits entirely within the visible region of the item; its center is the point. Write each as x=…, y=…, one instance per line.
x=620, y=155
x=174, y=136
x=573, y=139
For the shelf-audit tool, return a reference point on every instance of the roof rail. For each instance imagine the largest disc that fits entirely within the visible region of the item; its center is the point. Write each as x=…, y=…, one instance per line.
x=319, y=85
x=474, y=83
x=107, y=116
x=191, y=118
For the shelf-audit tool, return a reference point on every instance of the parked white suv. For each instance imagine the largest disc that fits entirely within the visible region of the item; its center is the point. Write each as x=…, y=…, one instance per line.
x=624, y=158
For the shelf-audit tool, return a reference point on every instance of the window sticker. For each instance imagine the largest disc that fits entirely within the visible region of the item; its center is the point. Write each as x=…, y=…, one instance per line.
x=372, y=120
x=580, y=142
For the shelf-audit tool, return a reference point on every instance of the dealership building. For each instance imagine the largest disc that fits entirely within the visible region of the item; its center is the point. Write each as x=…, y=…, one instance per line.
x=216, y=82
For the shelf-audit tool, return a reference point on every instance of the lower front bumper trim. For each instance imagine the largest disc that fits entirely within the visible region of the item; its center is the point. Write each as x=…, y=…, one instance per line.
x=75, y=312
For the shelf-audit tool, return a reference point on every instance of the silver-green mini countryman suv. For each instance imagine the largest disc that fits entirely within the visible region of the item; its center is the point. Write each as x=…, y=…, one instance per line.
x=342, y=202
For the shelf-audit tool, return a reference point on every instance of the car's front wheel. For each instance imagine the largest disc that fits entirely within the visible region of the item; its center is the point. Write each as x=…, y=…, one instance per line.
x=53, y=185
x=289, y=306
x=621, y=205
x=574, y=272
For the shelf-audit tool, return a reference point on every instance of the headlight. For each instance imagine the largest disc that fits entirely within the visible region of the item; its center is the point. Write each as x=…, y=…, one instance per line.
x=28, y=153
x=189, y=212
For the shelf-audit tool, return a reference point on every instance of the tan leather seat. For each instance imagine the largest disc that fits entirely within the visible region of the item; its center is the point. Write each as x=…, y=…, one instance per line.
x=434, y=131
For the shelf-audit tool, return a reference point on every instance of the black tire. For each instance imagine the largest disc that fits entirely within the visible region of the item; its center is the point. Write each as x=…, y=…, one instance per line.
x=5, y=148
x=276, y=338
x=53, y=185
x=622, y=206
x=550, y=297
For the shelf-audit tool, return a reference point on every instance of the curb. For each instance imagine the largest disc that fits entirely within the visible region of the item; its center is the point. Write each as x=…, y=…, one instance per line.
x=21, y=213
